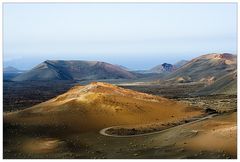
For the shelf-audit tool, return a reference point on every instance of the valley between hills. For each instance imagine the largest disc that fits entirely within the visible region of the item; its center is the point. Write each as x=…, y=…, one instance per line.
x=96, y=110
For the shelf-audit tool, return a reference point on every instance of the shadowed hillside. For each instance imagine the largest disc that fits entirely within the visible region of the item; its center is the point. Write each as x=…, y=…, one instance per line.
x=74, y=70
x=226, y=84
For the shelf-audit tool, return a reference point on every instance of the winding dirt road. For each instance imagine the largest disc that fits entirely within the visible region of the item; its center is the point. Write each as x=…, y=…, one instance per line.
x=103, y=131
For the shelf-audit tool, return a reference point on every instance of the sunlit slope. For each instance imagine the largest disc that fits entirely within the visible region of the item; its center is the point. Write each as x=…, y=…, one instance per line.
x=216, y=134
x=206, y=68
x=100, y=105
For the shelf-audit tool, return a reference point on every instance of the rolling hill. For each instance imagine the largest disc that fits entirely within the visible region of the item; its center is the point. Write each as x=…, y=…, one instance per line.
x=226, y=84
x=10, y=72
x=98, y=105
x=11, y=69
x=74, y=70
x=206, y=68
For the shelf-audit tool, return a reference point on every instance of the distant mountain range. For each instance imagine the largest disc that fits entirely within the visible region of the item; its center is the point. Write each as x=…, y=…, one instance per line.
x=11, y=69
x=217, y=71
x=11, y=72
x=167, y=68
x=75, y=70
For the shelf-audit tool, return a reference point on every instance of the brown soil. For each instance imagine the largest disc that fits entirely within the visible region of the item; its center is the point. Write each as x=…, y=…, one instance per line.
x=217, y=134
x=100, y=105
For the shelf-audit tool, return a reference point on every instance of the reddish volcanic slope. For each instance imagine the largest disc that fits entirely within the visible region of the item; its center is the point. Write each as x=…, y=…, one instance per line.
x=99, y=105
x=206, y=67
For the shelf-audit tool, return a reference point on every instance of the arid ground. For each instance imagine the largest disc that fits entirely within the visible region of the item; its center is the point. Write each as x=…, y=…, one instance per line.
x=180, y=133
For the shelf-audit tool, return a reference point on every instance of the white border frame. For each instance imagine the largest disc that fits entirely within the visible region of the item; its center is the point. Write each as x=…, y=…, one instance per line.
x=109, y=1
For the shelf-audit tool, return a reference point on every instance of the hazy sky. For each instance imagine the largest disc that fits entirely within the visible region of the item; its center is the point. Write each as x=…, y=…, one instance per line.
x=138, y=36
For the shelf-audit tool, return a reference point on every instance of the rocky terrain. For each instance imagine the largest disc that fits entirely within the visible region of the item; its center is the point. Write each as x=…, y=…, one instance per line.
x=206, y=68
x=227, y=84
x=98, y=105
x=219, y=103
x=165, y=67
x=187, y=113
x=21, y=95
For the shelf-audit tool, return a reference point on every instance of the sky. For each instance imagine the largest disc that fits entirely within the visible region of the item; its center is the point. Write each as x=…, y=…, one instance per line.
x=136, y=35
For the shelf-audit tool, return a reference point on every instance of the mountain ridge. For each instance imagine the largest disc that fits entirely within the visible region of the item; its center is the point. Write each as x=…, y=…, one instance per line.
x=206, y=66
x=74, y=70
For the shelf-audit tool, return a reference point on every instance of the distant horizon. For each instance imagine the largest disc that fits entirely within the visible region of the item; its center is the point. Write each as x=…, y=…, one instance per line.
x=135, y=35
x=110, y=62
